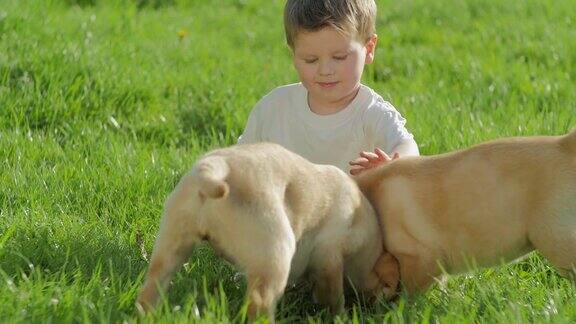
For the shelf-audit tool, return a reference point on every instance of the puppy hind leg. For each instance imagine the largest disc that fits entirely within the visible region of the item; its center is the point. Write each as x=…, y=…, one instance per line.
x=327, y=273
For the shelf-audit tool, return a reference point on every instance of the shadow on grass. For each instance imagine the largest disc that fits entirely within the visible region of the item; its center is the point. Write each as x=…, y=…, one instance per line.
x=69, y=251
x=86, y=260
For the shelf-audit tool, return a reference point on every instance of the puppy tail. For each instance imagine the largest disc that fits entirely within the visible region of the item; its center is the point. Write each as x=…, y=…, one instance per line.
x=211, y=173
x=569, y=141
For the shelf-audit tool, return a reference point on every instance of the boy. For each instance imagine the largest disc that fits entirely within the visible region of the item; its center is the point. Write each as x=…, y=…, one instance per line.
x=330, y=116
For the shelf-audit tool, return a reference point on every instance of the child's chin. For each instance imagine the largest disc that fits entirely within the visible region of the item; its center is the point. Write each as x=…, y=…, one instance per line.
x=329, y=93
x=326, y=97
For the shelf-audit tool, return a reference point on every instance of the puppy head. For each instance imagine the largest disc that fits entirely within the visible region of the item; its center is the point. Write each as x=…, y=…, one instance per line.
x=196, y=200
x=191, y=207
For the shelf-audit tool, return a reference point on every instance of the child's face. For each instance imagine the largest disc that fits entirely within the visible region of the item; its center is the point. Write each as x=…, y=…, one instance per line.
x=330, y=66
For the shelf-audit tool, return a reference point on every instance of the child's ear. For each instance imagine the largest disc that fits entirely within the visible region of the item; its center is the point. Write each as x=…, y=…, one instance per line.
x=371, y=48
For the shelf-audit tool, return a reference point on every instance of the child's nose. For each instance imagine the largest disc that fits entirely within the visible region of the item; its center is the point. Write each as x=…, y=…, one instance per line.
x=326, y=68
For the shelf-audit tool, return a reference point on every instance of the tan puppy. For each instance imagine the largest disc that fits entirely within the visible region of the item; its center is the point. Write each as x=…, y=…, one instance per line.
x=275, y=215
x=489, y=204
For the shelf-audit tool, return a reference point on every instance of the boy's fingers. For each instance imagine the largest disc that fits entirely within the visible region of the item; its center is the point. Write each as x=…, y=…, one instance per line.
x=369, y=155
x=356, y=171
x=396, y=156
x=381, y=154
x=363, y=162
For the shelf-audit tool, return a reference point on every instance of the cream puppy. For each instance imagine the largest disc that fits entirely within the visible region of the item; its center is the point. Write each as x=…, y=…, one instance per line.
x=482, y=206
x=276, y=216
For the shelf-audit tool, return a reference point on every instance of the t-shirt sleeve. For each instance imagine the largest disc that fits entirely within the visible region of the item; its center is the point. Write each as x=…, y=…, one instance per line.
x=387, y=127
x=261, y=116
x=253, y=130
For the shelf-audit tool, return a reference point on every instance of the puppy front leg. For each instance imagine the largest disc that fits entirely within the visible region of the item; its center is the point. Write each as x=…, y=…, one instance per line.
x=267, y=276
x=156, y=281
x=263, y=292
x=328, y=284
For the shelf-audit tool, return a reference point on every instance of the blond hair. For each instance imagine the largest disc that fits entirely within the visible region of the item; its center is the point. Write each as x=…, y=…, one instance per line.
x=356, y=18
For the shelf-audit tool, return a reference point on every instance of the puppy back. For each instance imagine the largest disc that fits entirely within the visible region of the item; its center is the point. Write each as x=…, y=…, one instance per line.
x=369, y=179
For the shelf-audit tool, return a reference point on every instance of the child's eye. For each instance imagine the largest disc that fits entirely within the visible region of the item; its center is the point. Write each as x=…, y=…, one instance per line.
x=310, y=61
x=340, y=58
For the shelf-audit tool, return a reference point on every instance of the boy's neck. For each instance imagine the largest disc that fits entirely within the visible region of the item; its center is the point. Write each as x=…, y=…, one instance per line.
x=332, y=107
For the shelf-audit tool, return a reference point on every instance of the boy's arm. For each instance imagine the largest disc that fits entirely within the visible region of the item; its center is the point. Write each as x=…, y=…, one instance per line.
x=387, y=130
x=406, y=147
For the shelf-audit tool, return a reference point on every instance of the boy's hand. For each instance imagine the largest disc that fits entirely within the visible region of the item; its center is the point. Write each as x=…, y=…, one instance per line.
x=369, y=160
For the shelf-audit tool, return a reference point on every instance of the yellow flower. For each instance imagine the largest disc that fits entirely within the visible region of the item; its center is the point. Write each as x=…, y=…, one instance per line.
x=182, y=33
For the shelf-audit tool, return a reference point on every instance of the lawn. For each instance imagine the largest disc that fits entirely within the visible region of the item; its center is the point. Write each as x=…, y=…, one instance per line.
x=105, y=104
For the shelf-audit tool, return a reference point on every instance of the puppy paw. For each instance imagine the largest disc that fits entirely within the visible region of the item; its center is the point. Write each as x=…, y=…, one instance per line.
x=387, y=271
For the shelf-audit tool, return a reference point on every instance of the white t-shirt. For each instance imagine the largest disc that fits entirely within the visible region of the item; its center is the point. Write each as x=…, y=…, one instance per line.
x=284, y=117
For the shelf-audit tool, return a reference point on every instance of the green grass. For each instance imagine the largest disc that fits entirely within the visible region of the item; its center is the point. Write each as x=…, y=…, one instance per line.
x=103, y=106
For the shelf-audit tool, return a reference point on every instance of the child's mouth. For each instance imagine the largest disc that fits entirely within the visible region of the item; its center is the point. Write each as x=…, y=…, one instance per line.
x=327, y=85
